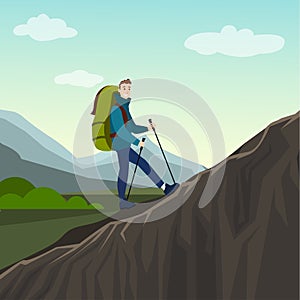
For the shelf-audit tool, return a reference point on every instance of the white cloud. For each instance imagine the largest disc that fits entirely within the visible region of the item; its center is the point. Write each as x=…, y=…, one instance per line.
x=79, y=78
x=42, y=28
x=233, y=42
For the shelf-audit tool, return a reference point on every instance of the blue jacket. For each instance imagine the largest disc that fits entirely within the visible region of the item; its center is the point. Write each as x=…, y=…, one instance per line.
x=124, y=137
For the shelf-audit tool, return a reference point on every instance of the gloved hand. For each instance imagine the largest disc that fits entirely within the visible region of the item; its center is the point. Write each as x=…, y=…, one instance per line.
x=153, y=125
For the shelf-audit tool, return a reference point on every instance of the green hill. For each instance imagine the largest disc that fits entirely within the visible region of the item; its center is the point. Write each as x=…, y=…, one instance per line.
x=15, y=185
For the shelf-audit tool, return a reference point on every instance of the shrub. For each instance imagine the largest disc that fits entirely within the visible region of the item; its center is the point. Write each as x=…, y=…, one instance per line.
x=11, y=201
x=44, y=198
x=15, y=185
x=77, y=202
x=96, y=206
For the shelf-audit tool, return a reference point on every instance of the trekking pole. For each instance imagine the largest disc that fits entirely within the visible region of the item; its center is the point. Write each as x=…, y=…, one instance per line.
x=150, y=121
x=137, y=163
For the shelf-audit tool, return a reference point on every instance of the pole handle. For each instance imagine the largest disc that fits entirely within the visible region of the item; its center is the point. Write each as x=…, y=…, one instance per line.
x=143, y=140
x=150, y=121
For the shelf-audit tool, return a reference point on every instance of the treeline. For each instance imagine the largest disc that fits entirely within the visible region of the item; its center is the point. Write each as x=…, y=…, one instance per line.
x=19, y=193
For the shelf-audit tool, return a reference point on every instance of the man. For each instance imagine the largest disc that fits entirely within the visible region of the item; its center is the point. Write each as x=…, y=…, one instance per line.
x=121, y=128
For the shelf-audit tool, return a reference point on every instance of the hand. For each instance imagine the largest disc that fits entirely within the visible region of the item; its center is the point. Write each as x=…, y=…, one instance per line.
x=152, y=125
x=141, y=144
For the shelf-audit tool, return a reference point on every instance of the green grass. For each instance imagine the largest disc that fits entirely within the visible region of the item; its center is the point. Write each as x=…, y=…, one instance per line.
x=136, y=195
x=25, y=232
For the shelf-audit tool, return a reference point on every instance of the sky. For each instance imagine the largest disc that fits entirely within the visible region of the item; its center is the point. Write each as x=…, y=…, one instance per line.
x=240, y=57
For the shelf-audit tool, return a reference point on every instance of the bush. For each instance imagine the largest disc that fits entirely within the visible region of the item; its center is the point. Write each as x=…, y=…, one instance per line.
x=96, y=206
x=77, y=202
x=44, y=198
x=11, y=201
x=15, y=185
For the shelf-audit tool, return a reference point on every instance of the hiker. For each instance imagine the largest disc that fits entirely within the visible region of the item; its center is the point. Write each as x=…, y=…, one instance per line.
x=121, y=128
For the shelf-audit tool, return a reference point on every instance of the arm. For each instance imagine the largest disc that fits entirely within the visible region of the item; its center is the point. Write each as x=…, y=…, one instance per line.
x=132, y=127
x=121, y=130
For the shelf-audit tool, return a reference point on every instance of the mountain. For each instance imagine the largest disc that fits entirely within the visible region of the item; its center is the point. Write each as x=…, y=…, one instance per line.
x=12, y=165
x=149, y=151
x=242, y=243
x=34, y=146
x=107, y=168
x=31, y=143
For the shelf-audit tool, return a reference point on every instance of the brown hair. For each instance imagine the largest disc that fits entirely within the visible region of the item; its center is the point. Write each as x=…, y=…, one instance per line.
x=127, y=81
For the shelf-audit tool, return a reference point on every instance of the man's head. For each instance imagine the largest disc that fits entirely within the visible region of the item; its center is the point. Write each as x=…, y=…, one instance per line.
x=124, y=88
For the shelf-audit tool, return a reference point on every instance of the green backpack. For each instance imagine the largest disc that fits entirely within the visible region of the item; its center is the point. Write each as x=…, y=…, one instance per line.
x=104, y=100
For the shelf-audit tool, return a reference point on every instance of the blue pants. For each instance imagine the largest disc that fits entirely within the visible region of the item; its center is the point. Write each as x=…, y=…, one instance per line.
x=129, y=155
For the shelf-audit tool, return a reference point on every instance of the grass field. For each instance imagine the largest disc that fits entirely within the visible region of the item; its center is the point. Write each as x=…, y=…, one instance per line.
x=27, y=231
x=136, y=194
x=109, y=200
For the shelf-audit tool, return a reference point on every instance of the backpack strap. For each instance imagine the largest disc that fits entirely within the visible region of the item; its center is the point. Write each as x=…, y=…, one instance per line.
x=124, y=116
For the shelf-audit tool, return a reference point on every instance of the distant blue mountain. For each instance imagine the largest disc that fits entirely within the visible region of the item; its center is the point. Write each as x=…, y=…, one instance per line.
x=33, y=145
x=105, y=165
x=12, y=165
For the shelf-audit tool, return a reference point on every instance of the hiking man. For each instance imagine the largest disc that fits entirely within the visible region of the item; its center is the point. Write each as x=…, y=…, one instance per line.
x=121, y=128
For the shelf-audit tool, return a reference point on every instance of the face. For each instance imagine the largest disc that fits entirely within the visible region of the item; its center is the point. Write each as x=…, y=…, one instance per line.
x=124, y=90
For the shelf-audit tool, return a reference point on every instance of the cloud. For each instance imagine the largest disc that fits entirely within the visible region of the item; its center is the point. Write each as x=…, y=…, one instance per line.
x=79, y=78
x=233, y=42
x=42, y=28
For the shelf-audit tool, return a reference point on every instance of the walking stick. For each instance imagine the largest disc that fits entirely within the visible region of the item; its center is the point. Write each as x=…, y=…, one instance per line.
x=150, y=121
x=137, y=163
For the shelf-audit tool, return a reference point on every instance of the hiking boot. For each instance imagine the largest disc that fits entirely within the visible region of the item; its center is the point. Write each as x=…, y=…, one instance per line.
x=126, y=204
x=170, y=188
